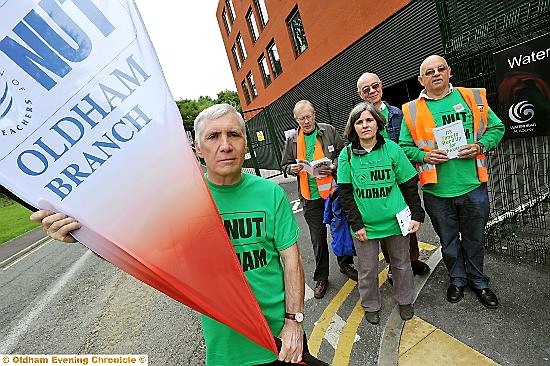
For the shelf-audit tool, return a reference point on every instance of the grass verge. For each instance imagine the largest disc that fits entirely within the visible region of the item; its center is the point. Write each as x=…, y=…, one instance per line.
x=14, y=221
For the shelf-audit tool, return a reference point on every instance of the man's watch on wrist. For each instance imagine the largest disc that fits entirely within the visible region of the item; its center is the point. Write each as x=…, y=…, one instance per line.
x=298, y=317
x=482, y=148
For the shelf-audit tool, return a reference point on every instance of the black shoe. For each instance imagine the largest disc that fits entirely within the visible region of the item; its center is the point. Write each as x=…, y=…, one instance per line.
x=455, y=293
x=390, y=276
x=406, y=312
x=349, y=271
x=420, y=268
x=320, y=289
x=487, y=297
x=372, y=317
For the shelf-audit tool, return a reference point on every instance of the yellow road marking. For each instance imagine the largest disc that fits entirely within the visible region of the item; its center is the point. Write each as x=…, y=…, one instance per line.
x=441, y=347
x=321, y=327
x=345, y=342
x=426, y=246
x=343, y=350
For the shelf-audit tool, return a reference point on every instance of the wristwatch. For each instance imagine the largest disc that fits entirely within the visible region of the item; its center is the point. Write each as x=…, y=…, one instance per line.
x=298, y=317
x=482, y=148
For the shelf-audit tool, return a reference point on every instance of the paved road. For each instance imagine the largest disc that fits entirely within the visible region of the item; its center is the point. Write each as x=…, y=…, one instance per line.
x=62, y=299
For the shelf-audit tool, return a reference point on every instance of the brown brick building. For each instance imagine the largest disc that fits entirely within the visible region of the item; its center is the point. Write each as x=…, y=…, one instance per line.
x=304, y=35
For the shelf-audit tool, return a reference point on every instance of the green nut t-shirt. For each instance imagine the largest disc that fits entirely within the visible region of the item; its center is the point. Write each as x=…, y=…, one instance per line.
x=375, y=178
x=311, y=141
x=260, y=223
x=456, y=176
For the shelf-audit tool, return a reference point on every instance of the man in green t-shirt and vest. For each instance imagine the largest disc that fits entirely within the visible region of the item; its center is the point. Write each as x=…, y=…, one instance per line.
x=454, y=189
x=313, y=141
x=369, y=88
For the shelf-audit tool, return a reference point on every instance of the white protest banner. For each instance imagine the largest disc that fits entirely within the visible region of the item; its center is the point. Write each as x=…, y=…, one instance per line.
x=89, y=128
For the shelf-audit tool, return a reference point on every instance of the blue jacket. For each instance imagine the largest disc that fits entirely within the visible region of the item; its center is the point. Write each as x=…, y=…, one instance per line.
x=395, y=118
x=342, y=243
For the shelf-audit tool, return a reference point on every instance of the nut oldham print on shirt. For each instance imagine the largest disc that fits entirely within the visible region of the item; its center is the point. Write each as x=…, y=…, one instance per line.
x=375, y=177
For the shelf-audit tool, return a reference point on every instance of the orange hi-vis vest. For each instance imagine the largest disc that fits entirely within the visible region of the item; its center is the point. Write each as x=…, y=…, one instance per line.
x=421, y=124
x=325, y=185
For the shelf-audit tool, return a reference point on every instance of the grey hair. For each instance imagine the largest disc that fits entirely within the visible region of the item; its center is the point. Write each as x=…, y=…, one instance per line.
x=214, y=112
x=349, y=133
x=301, y=103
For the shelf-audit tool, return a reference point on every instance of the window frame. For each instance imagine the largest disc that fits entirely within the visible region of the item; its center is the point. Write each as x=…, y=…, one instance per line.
x=264, y=70
x=293, y=35
x=268, y=49
x=241, y=47
x=229, y=5
x=225, y=21
x=252, y=25
x=251, y=85
x=246, y=92
x=236, y=57
x=264, y=18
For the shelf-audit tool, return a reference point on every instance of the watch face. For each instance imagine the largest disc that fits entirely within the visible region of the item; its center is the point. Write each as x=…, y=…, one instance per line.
x=299, y=317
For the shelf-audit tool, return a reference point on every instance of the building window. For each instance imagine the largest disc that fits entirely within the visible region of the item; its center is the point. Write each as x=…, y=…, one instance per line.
x=236, y=57
x=245, y=92
x=229, y=5
x=242, y=50
x=262, y=12
x=252, y=85
x=251, y=19
x=262, y=62
x=226, y=22
x=297, y=32
x=274, y=59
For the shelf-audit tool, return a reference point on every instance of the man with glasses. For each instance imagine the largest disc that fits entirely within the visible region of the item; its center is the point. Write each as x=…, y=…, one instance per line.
x=313, y=141
x=369, y=88
x=454, y=190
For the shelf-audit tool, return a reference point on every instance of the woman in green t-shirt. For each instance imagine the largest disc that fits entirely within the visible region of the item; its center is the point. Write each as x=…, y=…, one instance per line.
x=377, y=181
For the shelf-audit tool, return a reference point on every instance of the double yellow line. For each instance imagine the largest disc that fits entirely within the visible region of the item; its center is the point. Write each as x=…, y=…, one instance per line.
x=344, y=347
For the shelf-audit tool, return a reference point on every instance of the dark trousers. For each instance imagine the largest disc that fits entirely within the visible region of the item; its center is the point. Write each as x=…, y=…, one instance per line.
x=413, y=248
x=313, y=213
x=460, y=224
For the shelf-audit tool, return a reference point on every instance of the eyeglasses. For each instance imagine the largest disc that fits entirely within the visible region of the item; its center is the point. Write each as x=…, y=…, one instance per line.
x=309, y=117
x=374, y=86
x=431, y=72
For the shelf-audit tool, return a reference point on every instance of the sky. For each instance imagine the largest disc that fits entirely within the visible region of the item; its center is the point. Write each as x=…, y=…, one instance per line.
x=189, y=45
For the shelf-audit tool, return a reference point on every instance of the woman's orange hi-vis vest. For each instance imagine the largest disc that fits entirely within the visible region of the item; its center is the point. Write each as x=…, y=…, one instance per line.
x=421, y=124
x=325, y=185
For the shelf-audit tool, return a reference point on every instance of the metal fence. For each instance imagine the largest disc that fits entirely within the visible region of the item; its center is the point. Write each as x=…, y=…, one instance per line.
x=472, y=31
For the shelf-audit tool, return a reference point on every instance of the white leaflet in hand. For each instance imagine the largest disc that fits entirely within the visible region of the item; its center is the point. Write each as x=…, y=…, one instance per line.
x=314, y=167
x=450, y=138
x=404, y=220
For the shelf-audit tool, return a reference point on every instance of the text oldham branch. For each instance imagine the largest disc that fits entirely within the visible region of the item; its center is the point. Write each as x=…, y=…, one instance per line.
x=89, y=113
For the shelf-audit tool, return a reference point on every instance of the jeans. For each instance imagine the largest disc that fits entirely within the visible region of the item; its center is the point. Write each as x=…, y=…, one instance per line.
x=460, y=224
x=313, y=213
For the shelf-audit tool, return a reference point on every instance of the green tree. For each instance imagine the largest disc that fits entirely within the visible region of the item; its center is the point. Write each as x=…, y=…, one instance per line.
x=190, y=108
x=229, y=97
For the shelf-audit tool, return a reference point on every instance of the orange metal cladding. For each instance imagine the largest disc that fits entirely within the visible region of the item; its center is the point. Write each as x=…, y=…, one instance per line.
x=330, y=27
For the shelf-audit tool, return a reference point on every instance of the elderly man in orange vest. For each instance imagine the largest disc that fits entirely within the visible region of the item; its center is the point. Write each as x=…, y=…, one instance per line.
x=313, y=141
x=454, y=189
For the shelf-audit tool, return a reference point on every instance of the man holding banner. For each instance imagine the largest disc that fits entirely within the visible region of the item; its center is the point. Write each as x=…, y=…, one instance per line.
x=263, y=233
x=454, y=190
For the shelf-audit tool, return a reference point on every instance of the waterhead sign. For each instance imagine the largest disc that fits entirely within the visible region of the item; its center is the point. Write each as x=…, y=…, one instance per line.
x=523, y=81
x=88, y=127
